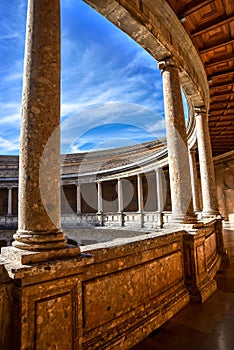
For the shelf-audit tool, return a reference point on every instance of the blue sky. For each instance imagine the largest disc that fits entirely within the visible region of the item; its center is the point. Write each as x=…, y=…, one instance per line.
x=111, y=88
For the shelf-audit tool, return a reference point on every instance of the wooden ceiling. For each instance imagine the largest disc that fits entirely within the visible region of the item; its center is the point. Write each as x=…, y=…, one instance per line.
x=210, y=24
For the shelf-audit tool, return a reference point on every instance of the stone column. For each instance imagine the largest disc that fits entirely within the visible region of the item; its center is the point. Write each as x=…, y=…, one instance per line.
x=100, y=202
x=9, y=207
x=120, y=196
x=140, y=199
x=39, y=226
x=209, y=195
x=140, y=193
x=78, y=199
x=194, y=179
x=120, y=200
x=181, y=192
x=159, y=189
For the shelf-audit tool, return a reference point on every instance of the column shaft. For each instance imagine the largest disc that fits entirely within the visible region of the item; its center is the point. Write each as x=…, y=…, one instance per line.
x=181, y=192
x=120, y=201
x=209, y=194
x=120, y=196
x=78, y=199
x=9, y=209
x=194, y=179
x=159, y=190
x=39, y=170
x=140, y=193
x=100, y=201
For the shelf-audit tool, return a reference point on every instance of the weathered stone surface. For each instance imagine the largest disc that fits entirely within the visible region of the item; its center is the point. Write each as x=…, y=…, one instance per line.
x=180, y=181
x=113, y=295
x=39, y=173
x=208, y=187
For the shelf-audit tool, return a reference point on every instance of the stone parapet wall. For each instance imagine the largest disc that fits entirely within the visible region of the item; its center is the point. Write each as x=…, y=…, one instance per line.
x=110, y=297
x=131, y=282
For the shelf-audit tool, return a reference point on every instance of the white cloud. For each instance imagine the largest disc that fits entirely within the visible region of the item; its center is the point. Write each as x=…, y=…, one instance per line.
x=159, y=125
x=7, y=146
x=10, y=119
x=105, y=77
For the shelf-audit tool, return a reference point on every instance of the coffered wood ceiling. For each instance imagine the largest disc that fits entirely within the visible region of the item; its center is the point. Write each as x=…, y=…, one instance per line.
x=210, y=24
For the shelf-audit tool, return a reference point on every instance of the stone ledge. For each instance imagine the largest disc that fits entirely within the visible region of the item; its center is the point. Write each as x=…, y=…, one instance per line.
x=25, y=257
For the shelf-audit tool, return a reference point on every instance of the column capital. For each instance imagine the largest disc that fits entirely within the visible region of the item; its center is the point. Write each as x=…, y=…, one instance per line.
x=166, y=64
x=193, y=150
x=200, y=110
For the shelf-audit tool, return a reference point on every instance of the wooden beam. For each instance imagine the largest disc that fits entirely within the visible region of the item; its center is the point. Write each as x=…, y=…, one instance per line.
x=189, y=9
x=225, y=94
x=216, y=63
x=220, y=86
x=221, y=109
x=211, y=48
x=217, y=75
x=214, y=26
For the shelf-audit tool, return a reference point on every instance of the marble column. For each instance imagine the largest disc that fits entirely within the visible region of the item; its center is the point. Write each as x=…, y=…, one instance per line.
x=140, y=193
x=39, y=226
x=194, y=179
x=9, y=207
x=159, y=190
x=208, y=187
x=120, y=195
x=78, y=199
x=100, y=201
x=120, y=201
x=181, y=192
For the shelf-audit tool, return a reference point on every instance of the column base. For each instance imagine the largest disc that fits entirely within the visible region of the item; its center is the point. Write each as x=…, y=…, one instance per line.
x=121, y=218
x=182, y=219
x=39, y=240
x=100, y=218
x=210, y=214
x=141, y=215
x=186, y=222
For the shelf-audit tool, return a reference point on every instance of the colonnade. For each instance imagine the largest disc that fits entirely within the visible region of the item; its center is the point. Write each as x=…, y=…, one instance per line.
x=39, y=175
x=144, y=196
x=7, y=205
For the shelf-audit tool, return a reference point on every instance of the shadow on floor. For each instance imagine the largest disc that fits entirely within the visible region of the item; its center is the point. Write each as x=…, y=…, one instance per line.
x=208, y=326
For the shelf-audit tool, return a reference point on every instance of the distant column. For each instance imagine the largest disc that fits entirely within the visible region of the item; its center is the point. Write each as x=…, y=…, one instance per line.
x=208, y=187
x=140, y=193
x=120, y=201
x=9, y=209
x=78, y=199
x=120, y=196
x=159, y=189
x=39, y=226
x=181, y=192
x=100, y=201
x=194, y=179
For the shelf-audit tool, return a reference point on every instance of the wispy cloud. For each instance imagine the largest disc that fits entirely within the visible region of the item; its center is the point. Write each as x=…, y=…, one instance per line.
x=97, y=123
x=12, y=146
x=106, y=78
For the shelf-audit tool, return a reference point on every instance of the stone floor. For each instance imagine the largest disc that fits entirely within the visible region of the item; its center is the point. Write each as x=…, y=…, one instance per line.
x=209, y=326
